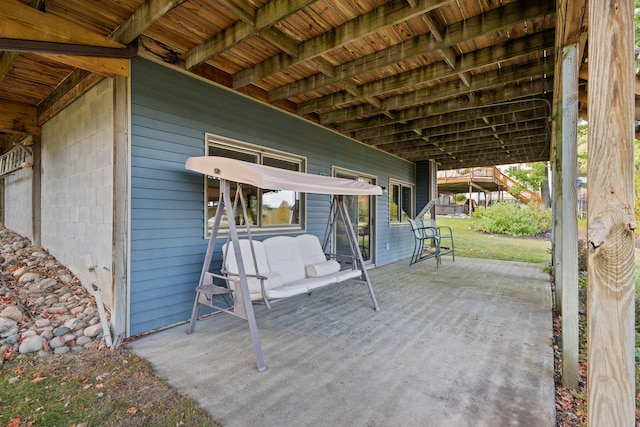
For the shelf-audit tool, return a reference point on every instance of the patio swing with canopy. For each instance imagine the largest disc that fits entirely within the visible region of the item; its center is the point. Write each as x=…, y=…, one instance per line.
x=238, y=272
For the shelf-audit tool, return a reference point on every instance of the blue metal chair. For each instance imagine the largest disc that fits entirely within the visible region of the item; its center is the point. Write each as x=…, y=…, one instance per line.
x=426, y=244
x=445, y=235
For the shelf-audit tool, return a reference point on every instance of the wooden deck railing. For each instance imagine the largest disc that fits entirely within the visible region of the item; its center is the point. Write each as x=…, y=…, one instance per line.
x=523, y=195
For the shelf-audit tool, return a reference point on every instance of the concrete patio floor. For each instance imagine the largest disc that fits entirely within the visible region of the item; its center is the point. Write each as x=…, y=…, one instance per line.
x=467, y=344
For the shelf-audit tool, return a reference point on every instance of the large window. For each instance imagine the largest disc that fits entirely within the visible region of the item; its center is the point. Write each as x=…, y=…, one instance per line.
x=400, y=201
x=266, y=209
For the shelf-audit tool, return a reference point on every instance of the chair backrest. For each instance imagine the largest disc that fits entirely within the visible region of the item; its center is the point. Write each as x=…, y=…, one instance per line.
x=416, y=230
x=428, y=222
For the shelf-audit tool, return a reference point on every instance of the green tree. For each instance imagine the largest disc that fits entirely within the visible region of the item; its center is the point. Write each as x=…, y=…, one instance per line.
x=531, y=177
x=583, y=132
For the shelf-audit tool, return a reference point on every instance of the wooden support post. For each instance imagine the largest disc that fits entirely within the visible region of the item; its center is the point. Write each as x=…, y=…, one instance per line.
x=36, y=191
x=569, y=244
x=557, y=214
x=119, y=278
x=610, y=309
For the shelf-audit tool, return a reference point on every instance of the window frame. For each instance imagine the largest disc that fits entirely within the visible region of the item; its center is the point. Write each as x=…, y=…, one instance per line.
x=260, y=152
x=402, y=185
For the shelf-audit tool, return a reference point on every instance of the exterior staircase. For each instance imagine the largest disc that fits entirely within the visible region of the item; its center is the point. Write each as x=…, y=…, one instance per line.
x=524, y=195
x=15, y=159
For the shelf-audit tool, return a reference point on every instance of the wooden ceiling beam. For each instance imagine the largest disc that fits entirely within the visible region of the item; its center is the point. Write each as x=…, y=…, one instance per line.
x=364, y=25
x=71, y=88
x=405, y=140
x=353, y=118
x=540, y=146
x=498, y=156
x=18, y=118
x=522, y=76
x=534, y=141
x=25, y=29
x=452, y=90
x=437, y=127
x=281, y=40
x=525, y=124
x=513, y=50
x=265, y=17
x=104, y=66
x=22, y=22
x=242, y=9
x=143, y=17
x=467, y=145
x=6, y=63
x=470, y=29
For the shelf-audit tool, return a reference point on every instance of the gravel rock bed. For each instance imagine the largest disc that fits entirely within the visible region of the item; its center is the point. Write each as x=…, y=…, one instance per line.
x=44, y=308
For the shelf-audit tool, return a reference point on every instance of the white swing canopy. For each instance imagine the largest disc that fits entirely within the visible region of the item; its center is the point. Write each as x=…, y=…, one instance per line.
x=271, y=178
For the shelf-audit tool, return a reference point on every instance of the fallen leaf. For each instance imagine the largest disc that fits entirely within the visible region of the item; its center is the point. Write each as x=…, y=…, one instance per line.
x=132, y=411
x=37, y=380
x=14, y=422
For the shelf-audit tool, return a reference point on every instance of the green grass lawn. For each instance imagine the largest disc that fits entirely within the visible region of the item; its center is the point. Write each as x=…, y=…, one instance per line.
x=471, y=243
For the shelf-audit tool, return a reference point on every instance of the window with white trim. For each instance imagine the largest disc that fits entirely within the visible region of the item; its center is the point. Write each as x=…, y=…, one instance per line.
x=267, y=209
x=400, y=201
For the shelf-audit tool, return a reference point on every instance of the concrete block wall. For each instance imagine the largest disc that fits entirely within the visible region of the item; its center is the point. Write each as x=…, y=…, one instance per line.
x=77, y=185
x=17, y=202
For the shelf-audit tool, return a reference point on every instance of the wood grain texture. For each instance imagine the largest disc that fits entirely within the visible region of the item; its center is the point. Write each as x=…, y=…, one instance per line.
x=610, y=216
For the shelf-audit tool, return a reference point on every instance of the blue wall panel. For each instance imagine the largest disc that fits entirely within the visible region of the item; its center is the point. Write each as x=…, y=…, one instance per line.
x=171, y=112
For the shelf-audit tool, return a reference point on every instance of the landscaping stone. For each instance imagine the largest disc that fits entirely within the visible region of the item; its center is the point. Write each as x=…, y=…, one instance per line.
x=93, y=330
x=29, y=277
x=61, y=331
x=31, y=344
x=44, y=308
x=12, y=312
x=7, y=324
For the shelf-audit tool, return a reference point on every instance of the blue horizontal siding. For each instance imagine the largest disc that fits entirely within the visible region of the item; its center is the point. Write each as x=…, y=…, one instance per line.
x=171, y=113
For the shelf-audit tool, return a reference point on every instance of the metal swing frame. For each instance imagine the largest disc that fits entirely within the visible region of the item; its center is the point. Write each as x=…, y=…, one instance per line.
x=242, y=307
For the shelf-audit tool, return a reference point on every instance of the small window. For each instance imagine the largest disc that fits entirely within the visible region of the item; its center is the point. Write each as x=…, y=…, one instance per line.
x=400, y=202
x=266, y=208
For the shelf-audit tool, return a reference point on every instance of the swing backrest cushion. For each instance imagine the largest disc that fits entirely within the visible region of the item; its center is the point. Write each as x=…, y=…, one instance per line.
x=274, y=280
x=284, y=256
x=314, y=259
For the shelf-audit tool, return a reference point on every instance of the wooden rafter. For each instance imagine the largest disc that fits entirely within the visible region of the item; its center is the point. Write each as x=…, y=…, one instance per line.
x=18, y=118
x=265, y=17
x=22, y=22
x=148, y=13
x=450, y=114
x=473, y=28
x=452, y=89
x=452, y=123
x=383, y=17
x=405, y=140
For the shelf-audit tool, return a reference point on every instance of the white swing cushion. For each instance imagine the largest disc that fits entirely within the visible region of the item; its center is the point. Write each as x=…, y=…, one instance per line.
x=310, y=249
x=273, y=278
x=282, y=261
x=322, y=269
x=284, y=256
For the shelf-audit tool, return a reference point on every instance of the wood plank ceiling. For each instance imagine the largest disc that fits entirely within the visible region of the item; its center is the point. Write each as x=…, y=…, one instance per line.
x=462, y=82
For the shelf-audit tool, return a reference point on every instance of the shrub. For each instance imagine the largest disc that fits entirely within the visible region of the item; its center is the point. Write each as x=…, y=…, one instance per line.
x=509, y=218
